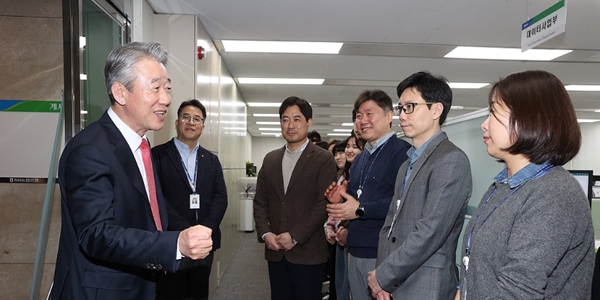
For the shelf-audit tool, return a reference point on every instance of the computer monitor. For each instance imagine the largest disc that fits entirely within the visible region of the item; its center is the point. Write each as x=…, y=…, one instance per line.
x=586, y=179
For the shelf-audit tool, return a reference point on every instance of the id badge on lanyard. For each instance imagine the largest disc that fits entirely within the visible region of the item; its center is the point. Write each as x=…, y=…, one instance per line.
x=194, y=201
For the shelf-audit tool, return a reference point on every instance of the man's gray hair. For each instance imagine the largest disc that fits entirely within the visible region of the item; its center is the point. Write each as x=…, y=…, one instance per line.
x=120, y=61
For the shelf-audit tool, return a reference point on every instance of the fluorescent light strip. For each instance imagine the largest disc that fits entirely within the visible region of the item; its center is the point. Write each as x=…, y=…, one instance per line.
x=282, y=47
x=466, y=85
x=305, y=81
x=583, y=88
x=266, y=115
x=233, y=114
x=505, y=53
x=347, y=124
x=338, y=134
x=269, y=129
x=234, y=128
x=233, y=122
x=271, y=133
x=342, y=130
x=587, y=120
x=263, y=104
x=267, y=123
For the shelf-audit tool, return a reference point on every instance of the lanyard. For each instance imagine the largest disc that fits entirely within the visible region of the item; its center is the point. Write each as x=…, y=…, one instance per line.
x=470, y=236
x=192, y=181
x=364, y=179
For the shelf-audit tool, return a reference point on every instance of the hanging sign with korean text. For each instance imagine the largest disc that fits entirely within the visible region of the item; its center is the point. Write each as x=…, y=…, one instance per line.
x=543, y=27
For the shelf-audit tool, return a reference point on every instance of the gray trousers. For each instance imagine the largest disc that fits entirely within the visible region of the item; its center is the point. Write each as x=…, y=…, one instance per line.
x=358, y=271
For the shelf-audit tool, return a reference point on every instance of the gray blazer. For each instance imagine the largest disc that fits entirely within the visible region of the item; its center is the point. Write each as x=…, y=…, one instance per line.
x=417, y=259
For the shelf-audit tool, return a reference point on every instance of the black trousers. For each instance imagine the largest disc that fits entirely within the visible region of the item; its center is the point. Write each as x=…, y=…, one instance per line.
x=294, y=281
x=190, y=282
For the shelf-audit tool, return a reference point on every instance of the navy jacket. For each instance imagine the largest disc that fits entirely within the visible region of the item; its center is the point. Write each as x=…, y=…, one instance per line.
x=176, y=189
x=378, y=176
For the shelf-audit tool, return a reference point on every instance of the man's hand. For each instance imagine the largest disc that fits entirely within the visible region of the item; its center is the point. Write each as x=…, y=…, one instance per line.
x=343, y=211
x=271, y=242
x=195, y=242
x=330, y=236
x=374, y=285
x=333, y=192
x=285, y=241
x=341, y=235
x=383, y=295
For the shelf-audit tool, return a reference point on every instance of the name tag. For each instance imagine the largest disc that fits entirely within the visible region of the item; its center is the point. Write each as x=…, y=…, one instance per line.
x=194, y=201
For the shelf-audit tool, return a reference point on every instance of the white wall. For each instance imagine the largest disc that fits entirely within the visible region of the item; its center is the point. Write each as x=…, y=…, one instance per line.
x=588, y=157
x=225, y=133
x=469, y=137
x=263, y=145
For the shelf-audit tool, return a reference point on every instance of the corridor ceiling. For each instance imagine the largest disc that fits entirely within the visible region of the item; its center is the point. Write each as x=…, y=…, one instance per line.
x=384, y=42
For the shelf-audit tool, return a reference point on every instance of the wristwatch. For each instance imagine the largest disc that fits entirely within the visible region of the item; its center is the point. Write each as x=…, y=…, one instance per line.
x=360, y=211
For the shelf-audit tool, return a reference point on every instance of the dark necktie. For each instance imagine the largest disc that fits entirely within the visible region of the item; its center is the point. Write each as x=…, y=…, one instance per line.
x=151, y=184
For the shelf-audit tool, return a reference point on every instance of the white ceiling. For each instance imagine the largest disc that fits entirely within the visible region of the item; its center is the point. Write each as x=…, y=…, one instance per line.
x=384, y=42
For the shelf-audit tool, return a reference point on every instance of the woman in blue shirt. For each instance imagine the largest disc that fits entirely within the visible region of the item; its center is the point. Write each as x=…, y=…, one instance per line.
x=531, y=236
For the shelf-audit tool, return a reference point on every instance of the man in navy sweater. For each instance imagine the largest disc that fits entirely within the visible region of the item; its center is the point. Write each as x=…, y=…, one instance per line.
x=371, y=186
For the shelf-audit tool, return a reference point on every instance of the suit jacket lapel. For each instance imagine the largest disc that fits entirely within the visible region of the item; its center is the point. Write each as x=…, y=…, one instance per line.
x=201, y=158
x=420, y=162
x=123, y=153
x=279, y=173
x=302, y=161
x=175, y=158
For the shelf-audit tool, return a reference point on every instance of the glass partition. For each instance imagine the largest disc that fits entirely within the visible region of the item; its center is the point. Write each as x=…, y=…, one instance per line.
x=103, y=28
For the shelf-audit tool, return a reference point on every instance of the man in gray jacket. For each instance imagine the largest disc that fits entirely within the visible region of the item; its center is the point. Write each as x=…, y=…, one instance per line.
x=417, y=243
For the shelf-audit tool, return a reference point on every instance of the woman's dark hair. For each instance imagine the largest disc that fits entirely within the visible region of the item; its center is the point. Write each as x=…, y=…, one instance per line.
x=542, y=124
x=339, y=147
x=359, y=142
x=332, y=142
x=360, y=146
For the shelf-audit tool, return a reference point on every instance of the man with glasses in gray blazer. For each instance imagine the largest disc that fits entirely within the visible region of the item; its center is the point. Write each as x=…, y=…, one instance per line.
x=417, y=243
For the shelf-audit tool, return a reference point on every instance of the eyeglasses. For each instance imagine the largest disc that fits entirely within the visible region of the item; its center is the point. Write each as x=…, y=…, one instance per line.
x=407, y=108
x=187, y=118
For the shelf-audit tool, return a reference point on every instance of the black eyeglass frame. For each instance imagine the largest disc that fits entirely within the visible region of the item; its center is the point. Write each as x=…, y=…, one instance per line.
x=185, y=118
x=410, y=106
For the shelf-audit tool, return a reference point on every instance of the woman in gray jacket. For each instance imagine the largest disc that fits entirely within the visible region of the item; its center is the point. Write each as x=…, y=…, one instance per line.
x=531, y=236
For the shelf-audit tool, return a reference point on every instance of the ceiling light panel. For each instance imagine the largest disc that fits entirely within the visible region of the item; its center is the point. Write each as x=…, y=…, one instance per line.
x=263, y=104
x=505, y=53
x=267, y=123
x=269, y=129
x=282, y=47
x=466, y=85
x=266, y=115
x=583, y=88
x=310, y=81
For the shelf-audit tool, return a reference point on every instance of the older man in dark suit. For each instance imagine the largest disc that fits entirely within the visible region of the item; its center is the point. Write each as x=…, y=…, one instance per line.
x=289, y=207
x=192, y=181
x=112, y=245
